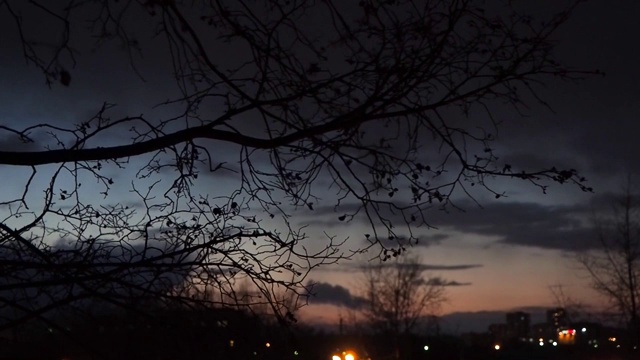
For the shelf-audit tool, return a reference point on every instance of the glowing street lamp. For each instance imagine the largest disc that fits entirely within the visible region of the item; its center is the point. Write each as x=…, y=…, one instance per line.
x=345, y=355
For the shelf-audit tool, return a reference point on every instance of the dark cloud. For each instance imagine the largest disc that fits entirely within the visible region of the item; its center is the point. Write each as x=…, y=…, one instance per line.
x=569, y=227
x=9, y=141
x=431, y=267
x=420, y=240
x=608, y=201
x=595, y=122
x=327, y=217
x=423, y=267
x=562, y=227
x=350, y=268
x=438, y=281
x=526, y=224
x=325, y=293
x=536, y=160
x=432, y=239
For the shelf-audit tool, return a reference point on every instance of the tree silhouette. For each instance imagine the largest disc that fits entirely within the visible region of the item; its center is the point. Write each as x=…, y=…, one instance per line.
x=399, y=297
x=381, y=108
x=614, y=267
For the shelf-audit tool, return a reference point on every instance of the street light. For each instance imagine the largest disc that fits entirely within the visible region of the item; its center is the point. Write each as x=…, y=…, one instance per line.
x=344, y=355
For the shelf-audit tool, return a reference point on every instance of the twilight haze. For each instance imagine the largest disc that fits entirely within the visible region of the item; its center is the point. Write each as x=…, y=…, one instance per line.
x=497, y=253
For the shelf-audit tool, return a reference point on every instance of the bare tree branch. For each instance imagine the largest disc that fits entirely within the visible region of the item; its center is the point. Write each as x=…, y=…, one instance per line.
x=279, y=107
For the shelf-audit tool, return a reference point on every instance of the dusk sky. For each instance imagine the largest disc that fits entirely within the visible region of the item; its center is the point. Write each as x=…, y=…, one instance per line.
x=501, y=256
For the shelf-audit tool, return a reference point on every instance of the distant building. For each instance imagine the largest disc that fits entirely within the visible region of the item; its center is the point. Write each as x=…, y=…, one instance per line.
x=593, y=334
x=518, y=324
x=557, y=318
x=542, y=331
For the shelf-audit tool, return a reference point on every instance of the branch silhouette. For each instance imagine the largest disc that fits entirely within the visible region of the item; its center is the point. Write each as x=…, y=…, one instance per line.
x=280, y=110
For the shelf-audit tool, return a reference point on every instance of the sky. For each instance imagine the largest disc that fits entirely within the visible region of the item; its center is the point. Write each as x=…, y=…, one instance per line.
x=500, y=256
x=511, y=252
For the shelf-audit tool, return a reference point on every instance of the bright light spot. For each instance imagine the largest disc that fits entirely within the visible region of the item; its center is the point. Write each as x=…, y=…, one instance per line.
x=267, y=344
x=497, y=347
x=617, y=346
x=231, y=343
x=555, y=343
x=426, y=347
x=541, y=343
x=336, y=357
x=349, y=357
x=541, y=339
x=295, y=352
x=584, y=329
x=595, y=346
x=612, y=339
